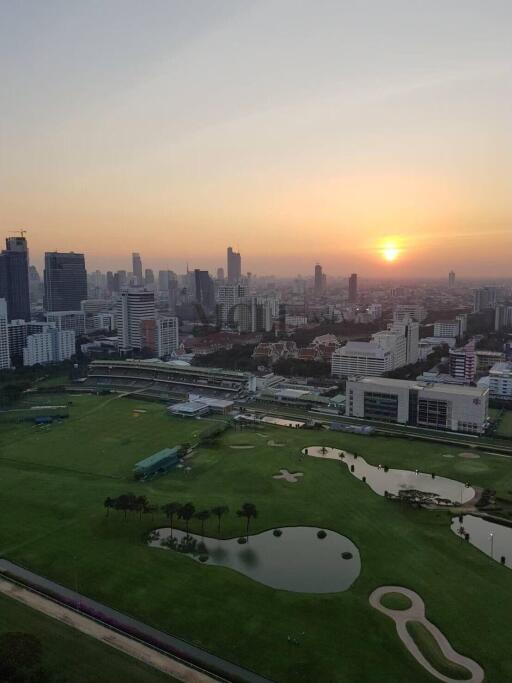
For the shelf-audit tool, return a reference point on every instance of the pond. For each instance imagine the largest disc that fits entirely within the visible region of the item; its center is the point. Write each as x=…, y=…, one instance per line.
x=495, y=540
x=296, y=561
x=394, y=481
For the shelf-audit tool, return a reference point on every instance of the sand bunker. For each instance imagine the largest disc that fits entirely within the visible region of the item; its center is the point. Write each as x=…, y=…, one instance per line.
x=468, y=456
x=292, y=477
x=242, y=447
x=448, y=455
x=325, y=452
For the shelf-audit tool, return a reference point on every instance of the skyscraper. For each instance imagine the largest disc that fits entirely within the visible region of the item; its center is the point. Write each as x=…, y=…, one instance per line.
x=352, y=288
x=65, y=281
x=149, y=277
x=5, y=359
x=133, y=306
x=451, y=279
x=205, y=291
x=14, y=285
x=137, y=267
x=320, y=280
x=234, y=266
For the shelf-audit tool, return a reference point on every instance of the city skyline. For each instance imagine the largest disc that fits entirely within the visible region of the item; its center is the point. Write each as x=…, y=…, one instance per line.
x=387, y=121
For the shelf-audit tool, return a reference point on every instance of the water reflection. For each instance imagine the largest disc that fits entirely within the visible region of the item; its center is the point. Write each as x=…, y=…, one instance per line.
x=296, y=561
x=495, y=540
x=381, y=479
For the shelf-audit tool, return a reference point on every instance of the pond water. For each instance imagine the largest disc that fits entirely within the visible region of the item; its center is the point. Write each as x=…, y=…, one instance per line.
x=394, y=480
x=495, y=540
x=296, y=561
x=282, y=423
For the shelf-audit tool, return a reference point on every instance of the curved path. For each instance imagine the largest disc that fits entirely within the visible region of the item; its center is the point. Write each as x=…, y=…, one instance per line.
x=417, y=613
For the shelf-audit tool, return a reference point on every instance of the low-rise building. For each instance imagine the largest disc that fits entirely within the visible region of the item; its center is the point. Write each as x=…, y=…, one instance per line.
x=440, y=406
x=361, y=358
x=500, y=381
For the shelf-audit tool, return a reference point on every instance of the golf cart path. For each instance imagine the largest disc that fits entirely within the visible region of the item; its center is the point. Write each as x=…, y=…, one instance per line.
x=417, y=613
x=129, y=646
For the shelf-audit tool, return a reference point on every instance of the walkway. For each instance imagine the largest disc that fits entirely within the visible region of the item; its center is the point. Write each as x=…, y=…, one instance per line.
x=417, y=613
x=90, y=627
x=188, y=655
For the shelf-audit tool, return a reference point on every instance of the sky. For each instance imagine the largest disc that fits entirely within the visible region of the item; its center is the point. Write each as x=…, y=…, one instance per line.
x=297, y=131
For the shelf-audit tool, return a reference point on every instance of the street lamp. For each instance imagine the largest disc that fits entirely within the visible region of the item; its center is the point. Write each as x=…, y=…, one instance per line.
x=492, y=544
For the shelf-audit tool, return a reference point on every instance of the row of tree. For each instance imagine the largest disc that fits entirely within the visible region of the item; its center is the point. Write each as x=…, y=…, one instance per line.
x=185, y=512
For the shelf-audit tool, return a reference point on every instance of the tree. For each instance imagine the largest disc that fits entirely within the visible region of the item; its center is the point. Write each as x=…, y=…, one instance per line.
x=109, y=504
x=171, y=509
x=218, y=512
x=203, y=516
x=141, y=504
x=186, y=512
x=248, y=510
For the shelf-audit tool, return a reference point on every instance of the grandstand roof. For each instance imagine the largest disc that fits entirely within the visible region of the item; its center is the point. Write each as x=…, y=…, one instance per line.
x=157, y=457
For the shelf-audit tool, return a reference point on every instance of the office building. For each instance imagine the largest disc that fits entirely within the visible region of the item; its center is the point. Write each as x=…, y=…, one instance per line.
x=220, y=275
x=441, y=406
x=160, y=336
x=502, y=317
x=483, y=298
x=133, y=306
x=229, y=298
x=5, y=356
x=68, y=320
x=65, y=281
x=352, y=288
x=204, y=289
x=361, y=358
x=450, y=328
x=451, y=279
x=463, y=362
x=500, y=381
x=137, y=269
x=234, y=263
x=14, y=278
x=17, y=331
x=396, y=344
x=149, y=277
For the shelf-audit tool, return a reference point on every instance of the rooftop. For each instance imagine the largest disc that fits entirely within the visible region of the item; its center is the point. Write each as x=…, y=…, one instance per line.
x=414, y=384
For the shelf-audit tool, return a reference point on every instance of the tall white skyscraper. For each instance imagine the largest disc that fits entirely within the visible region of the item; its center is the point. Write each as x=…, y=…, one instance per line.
x=137, y=268
x=133, y=306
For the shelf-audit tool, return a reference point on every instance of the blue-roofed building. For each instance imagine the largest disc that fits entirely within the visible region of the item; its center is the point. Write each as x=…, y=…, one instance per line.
x=157, y=464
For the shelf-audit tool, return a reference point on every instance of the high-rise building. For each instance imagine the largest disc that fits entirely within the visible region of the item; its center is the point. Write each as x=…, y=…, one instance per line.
x=463, y=362
x=137, y=268
x=484, y=297
x=18, y=330
x=14, y=283
x=65, y=281
x=411, y=331
x=5, y=357
x=228, y=299
x=133, y=306
x=204, y=289
x=50, y=346
x=320, y=280
x=68, y=320
x=416, y=312
x=220, y=274
x=352, y=288
x=234, y=265
x=451, y=279
x=149, y=277
x=160, y=335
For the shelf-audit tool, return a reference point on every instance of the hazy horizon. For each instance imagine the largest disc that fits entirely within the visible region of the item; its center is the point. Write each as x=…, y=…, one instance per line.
x=297, y=132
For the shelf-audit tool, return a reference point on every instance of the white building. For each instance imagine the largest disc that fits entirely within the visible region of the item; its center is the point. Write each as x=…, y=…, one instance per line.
x=410, y=330
x=502, y=317
x=133, y=306
x=440, y=406
x=52, y=346
x=396, y=344
x=416, y=312
x=17, y=330
x=102, y=321
x=428, y=344
x=229, y=298
x=463, y=362
x=5, y=358
x=500, y=381
x=160, y=335
x=361, y=358
x=68, y=320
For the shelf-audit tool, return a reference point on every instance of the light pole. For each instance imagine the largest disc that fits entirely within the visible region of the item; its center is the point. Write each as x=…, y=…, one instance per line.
x=492, y=544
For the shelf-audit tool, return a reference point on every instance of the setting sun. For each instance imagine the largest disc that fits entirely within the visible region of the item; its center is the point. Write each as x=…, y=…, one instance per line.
x=390, y=253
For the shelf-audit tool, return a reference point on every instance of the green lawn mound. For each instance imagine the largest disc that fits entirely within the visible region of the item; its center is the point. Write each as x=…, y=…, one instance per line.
x=397, y=601
x=432, y=652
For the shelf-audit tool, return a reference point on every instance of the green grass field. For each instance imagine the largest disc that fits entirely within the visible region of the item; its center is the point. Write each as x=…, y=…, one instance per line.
x=505, y=424
x=56, y=478
x=73, y=656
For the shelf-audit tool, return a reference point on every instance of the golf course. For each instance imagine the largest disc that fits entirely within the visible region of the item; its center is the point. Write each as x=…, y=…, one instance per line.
x=56, y=478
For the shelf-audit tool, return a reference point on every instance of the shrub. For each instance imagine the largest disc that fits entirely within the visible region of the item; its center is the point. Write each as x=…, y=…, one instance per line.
x=321, y=533
x=242, y=540
x=203, y=558
x=346, y=555
x=277, y=532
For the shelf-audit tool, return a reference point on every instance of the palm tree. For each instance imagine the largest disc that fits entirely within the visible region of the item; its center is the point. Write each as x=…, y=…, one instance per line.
x=171, y=509
x=141, y=504
x=219, y=511
x=203, y=516
x=248, y=510
x=186, y=512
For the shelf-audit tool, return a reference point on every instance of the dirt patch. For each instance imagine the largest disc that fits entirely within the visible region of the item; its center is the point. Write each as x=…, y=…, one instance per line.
x=291, y=477
x=468, y=456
